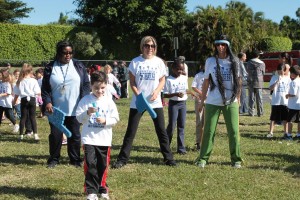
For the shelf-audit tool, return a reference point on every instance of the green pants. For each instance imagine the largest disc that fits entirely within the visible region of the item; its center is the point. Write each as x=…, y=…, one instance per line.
x=231, y=117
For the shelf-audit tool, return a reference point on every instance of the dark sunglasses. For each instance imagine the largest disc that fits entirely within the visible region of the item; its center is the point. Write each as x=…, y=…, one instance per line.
x=148, y=46
x=67, y=53
x=221, y=44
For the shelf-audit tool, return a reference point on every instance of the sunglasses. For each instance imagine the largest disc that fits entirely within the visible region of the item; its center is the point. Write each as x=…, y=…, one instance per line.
x=221, y=44
x=67, y=53
x=148, y=46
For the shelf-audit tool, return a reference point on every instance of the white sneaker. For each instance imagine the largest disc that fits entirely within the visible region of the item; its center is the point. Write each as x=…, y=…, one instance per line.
x=270, y=135
x=105, y=196
x=16, y=128
x=92, y=197
x=237, y=165
x=36, y=136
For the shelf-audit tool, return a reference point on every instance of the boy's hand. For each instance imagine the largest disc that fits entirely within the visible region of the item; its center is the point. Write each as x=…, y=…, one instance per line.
x=101, y=120
x=91, y=110
x=180, y=94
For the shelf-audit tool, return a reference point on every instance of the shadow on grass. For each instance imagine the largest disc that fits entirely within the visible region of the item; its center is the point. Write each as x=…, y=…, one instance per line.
x=293, y=159
x=29, y=193
x=22, y=159
x=256, y=136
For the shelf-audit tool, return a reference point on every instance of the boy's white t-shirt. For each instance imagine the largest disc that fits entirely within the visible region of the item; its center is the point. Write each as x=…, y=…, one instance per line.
x=113, y=80
x=198, y=81
x=147, y=73
x=280, y=90
x=214, y=97
x=6, y=101
x=174, y=85
x=294, y=102
x=94, y=133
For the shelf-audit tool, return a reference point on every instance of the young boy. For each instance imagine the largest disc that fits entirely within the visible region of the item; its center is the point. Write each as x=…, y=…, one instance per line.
x=98, y=113
x=279, y=85
x=293, y=97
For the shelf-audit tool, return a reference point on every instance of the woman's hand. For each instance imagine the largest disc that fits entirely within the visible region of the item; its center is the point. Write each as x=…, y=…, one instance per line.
x=49, y=108
x=154, y=95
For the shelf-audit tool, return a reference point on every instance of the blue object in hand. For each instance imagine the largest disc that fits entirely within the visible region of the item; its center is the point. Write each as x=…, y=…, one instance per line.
x=142, y=105
x=57, y=118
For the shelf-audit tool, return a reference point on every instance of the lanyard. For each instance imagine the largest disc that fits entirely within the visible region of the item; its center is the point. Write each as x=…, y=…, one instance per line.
x=64, y=75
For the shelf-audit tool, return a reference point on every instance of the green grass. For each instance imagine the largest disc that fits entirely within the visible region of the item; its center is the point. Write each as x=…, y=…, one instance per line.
x=270, y=171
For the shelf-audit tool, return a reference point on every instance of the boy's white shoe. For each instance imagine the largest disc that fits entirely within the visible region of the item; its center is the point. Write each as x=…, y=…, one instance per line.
x=92, y=197
x=105, y=196
x=16, y=128
x=36, y=136
x=270, y=135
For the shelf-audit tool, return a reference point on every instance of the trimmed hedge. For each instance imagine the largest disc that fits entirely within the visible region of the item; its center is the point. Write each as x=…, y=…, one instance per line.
x=276, y=44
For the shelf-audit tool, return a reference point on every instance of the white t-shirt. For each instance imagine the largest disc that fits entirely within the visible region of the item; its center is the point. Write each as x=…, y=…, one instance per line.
x=294, y=102
x=147, y=73
x=113, y=80
x=94, y=133
x=6, y=101
x=198, y=82
x=174, y=85
x=214, y=97
x=29, y=87
x=280, y=90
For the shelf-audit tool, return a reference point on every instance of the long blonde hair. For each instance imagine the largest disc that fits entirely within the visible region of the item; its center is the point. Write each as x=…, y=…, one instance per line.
x=26, y=69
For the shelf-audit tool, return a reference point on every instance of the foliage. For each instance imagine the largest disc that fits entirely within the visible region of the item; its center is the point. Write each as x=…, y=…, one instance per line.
x=276, y=44
x=269, y=170
x=296, y=45
x=123, y=23
x=11, y=10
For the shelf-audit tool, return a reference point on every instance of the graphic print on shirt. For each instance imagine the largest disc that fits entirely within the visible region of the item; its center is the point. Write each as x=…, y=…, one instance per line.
x=178, y=87
x=225, y=72
x=101, y=112
x=146, y=72
x=282, y=87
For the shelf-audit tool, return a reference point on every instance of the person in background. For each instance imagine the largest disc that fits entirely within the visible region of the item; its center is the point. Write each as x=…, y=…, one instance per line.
x=197, y=87
x=17, y=101
x=293, y=97
x=286, y=59
x=6, y=99
x=147, y=76
x=224, y=80
x=98, y=114
x=123, y=78
x=256, y=71
x=29, y=89
x=39, y=73
x=116, y=73
x=176, y=89
x=65, y=82
x=111, y=81
x=279, y=85
x=186, y=69
x=243, y=100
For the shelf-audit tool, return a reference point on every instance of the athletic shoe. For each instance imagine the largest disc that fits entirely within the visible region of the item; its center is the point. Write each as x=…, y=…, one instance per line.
x=287, y=137
x=29, y=134
x=16, y=128
x=201, y=163
x=105, y=196
x=52, y=164
x=76, y=164
x=118, y=164
x=237, y=165
x=171, y=163
x=297, y=137
x=197, y=146
x=36, y=137
x=92, y=197
x=21, y=138
x=270, y=135
x=64, y=142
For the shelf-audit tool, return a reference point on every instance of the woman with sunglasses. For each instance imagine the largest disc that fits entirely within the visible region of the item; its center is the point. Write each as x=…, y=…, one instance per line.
x=223, y=77
x=147, y=75
x=65, y=82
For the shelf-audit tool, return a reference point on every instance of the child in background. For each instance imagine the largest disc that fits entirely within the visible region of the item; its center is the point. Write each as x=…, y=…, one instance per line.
x=6, y=99
x=197, y=87
x=98, y=113
x=293, y=97
x=29, y=88
x=279, y=85
x=111, y=80
x=39, y=73
x=17, y=102
x=175, y=89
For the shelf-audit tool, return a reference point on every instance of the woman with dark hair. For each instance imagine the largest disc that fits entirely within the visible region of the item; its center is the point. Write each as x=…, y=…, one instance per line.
x=286, y=59
x=223, y=77
x=65, y=82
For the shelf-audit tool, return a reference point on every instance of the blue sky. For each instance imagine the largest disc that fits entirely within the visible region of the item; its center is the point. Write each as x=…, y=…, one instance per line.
x=46, y=11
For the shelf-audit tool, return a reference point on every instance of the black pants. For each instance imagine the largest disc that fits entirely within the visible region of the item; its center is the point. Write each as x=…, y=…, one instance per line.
x=55, y=141
x=124, y=89
x=28, y=109
x=96, y=162
x=159, y=124
x=9, y=113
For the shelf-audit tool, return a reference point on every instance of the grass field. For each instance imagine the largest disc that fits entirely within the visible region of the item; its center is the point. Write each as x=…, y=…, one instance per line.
x=271, y=168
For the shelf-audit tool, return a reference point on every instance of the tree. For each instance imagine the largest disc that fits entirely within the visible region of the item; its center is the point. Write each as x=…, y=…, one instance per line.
x=125, y=22
x=10, y=11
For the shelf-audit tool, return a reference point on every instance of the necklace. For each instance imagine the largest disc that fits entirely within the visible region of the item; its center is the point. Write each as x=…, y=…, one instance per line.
x=63, y=87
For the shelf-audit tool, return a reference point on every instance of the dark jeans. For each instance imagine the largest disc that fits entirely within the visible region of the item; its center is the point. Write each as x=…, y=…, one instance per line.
x=55, y=141
x=177, y=114
x=9, y=113
x=96, y=162
x=124, y=89
x=243, y=100
x=159, y=124
x=28, y=110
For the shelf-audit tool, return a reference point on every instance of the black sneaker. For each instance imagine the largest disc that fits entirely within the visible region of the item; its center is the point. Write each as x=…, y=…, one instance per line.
x=118, y=164
x=171, y=163
x=297, y=137
x=197, y=146
x=76, y=164
x=52, y=165
x=286, y=137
